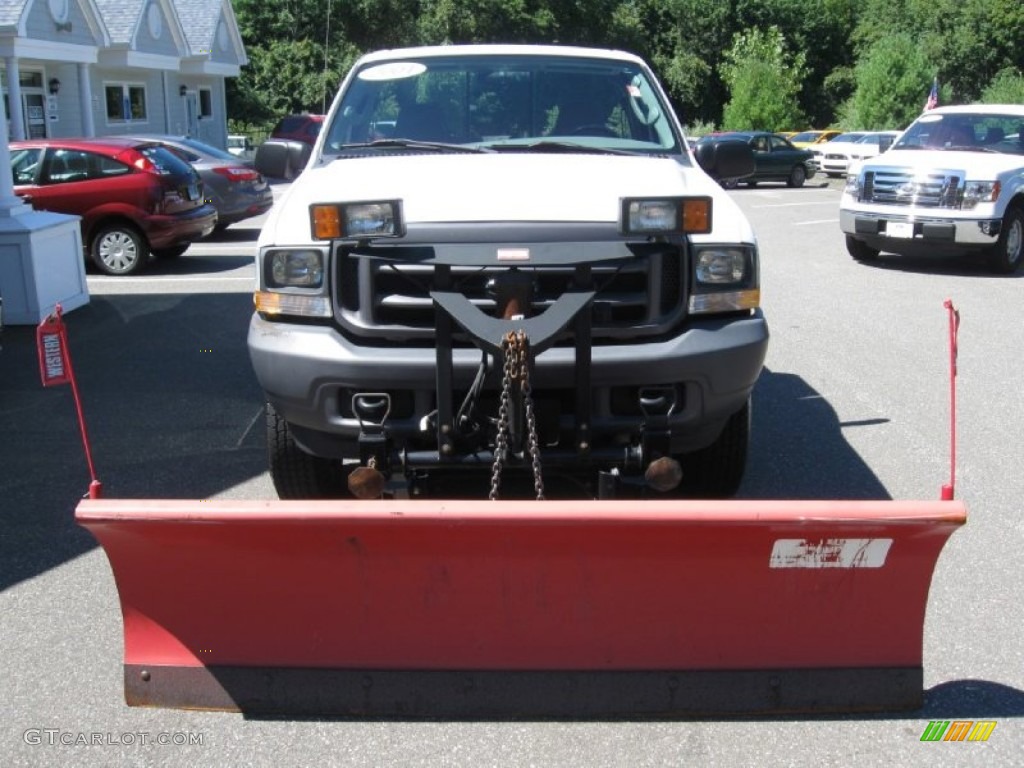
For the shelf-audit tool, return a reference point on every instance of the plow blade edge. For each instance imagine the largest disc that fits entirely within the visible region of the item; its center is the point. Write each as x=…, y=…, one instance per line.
x=523, y=608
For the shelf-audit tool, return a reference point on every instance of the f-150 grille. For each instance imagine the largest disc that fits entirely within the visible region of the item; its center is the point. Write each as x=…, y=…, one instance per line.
x=943, y=189
x=390, y=301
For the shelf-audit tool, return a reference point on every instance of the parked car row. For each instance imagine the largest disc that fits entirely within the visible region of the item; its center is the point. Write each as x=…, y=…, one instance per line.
x=807, y=139
x=836, y=157
x=138, y=196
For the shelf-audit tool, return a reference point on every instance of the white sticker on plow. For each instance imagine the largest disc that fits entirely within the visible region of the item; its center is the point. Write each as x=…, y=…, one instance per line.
x=829, y=553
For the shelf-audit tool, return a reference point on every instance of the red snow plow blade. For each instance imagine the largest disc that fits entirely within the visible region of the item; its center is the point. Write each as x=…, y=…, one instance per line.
x=523, y=608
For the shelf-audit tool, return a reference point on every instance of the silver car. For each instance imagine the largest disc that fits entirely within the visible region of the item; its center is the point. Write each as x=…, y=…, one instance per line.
x=236, y=189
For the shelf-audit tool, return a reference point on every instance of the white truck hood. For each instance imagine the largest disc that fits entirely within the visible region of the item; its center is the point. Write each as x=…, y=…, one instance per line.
x=499, y=187
x=973, y=166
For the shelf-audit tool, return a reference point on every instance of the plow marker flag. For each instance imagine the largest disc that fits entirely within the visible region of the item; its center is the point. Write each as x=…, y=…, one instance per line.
x=55, y=369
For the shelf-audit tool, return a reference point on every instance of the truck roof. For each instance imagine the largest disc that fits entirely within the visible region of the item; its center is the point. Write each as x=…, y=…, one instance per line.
x=499, y=49
x=1001, y=109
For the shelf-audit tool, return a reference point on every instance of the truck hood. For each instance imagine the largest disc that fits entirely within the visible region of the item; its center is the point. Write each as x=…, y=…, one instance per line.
x=439, y=188
x=974, y=166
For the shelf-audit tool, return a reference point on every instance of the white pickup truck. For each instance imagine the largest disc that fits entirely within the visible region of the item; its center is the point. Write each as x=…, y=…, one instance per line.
x=506, y=258
x=952, y=183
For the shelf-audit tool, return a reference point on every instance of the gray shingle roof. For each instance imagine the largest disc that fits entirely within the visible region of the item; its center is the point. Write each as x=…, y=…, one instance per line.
x=121, y=17
x=10, y=11
x=199, y=20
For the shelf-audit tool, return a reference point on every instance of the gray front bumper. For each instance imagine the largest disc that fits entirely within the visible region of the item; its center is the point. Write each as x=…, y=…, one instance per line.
x=308, y=371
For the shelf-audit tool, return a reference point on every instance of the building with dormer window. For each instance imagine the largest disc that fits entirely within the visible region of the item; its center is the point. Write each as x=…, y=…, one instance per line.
x=102, y=67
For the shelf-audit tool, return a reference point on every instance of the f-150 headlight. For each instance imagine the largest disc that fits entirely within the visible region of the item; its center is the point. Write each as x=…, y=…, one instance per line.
x=356, y=220
x=979, y=192
x=665, y=216
x=725, y=279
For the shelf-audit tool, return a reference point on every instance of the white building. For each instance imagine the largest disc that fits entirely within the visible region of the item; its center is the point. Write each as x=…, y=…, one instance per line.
x=102, y=67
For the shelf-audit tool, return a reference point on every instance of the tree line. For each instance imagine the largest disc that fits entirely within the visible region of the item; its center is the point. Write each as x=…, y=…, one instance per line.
x=730, y=64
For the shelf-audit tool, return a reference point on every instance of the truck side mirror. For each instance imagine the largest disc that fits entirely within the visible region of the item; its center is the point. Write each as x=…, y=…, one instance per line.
x=884, y=142
x=725, y=159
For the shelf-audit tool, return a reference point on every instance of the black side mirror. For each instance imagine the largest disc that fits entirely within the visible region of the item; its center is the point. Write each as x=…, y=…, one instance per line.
x=725, y=159
x=282, y=158
x=884, y=142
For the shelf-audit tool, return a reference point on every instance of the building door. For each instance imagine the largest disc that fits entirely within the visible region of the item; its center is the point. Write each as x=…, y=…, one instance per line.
x=35, y=115
x=192, y=114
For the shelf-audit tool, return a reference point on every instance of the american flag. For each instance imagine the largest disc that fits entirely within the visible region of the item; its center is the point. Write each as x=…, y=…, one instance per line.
x=933, y=97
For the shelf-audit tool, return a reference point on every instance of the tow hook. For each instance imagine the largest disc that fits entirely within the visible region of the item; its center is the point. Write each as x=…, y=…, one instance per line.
x=372, y=409
x=664, y=473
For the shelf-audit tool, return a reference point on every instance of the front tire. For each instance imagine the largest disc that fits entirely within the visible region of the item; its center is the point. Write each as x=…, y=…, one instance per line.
x=1008, y=253
x=860, y=250
x=797, y=176
x=296, y=474
x=716, y=472
x=119, y=249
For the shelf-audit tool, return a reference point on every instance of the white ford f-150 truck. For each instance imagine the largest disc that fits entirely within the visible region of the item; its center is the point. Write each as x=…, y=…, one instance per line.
x=952, y=183
x=504, y=260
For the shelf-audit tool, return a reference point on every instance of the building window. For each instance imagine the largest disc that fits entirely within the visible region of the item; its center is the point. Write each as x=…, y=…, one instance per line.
x=125, y=103
x=205, y=103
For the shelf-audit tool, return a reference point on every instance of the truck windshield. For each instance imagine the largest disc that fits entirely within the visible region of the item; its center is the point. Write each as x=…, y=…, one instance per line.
x=503, y=101
x=977, y=131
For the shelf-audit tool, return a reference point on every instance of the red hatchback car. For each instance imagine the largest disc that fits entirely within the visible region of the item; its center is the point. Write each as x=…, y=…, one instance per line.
x=304, y=128
x=135, y=197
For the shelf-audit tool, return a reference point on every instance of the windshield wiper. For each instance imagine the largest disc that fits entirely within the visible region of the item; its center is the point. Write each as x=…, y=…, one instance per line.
x=414, y=144
x=953, y=148
x=557, y=146
x=971, y=148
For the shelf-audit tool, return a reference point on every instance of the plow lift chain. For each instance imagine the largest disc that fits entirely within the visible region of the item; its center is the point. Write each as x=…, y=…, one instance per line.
x=515, y=347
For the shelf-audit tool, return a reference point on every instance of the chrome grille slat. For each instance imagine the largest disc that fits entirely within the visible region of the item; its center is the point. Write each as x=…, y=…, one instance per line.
x=943, y=189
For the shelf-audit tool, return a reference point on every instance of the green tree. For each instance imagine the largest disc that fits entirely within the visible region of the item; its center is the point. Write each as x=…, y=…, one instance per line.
x=820, y=29
x=764, y=81
x=893, y=82
x=1007, y=87
x=684, y=41
x=966, y=42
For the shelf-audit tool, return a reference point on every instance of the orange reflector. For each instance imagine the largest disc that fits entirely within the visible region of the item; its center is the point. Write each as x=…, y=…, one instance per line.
x=326, y=222
x=697, y=216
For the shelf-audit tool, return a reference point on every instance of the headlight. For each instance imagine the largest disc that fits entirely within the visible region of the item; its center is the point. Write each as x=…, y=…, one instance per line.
x=725, y=279
x=852, y=185
x=294, y=268
x=979, y=192
x=720, y=267
x=294, y=283
x=664, y=216
x=356, y=220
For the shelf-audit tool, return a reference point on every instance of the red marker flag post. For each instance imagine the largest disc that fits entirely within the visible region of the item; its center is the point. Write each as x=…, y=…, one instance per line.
x=55, y=369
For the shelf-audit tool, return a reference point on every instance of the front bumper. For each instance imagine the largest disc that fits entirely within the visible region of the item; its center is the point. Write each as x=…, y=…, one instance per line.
x=926, y=229
x=309, y=374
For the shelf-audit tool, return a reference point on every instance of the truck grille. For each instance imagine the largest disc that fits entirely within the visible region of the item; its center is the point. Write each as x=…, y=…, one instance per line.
x=943, y=189
x=388, y=301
